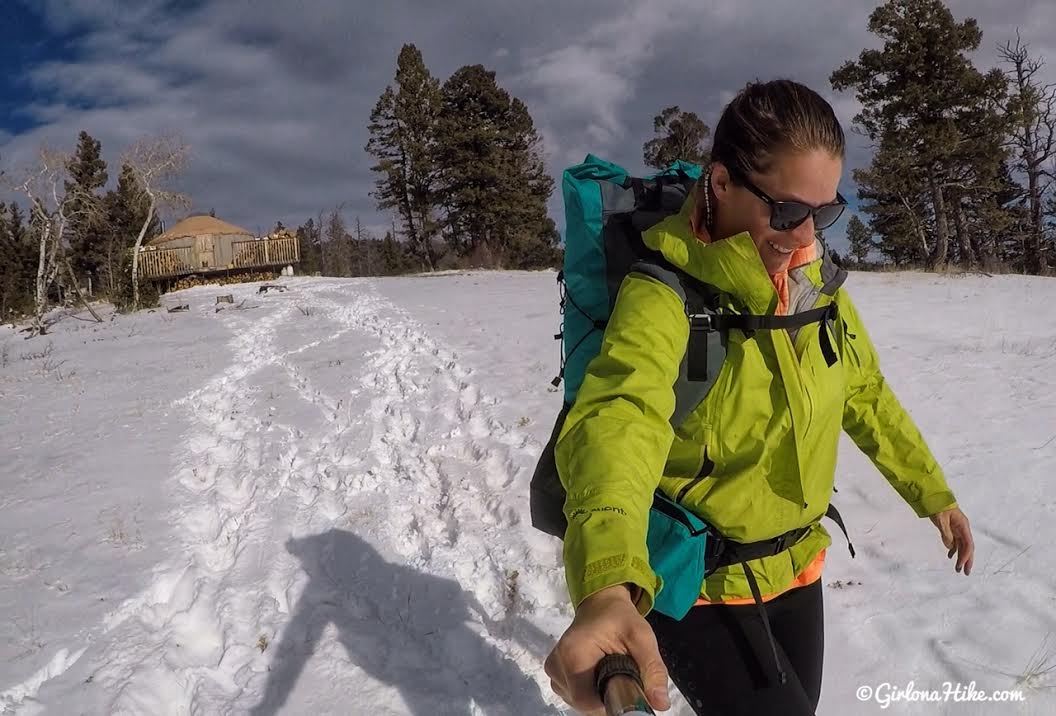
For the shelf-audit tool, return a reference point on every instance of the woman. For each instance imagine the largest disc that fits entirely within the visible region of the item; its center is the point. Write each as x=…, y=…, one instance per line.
x=757, y=457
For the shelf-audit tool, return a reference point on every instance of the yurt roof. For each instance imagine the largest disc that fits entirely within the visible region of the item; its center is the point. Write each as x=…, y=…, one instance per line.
x=198, y=226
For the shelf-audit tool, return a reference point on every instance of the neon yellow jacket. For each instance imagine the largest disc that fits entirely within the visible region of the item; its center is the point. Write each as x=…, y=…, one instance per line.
x=771, y=426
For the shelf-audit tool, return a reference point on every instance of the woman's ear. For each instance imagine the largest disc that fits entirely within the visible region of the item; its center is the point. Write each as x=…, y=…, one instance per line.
x=720, y=181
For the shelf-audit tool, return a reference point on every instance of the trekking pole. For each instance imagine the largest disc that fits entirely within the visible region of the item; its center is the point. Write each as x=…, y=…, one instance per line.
x=619, y=684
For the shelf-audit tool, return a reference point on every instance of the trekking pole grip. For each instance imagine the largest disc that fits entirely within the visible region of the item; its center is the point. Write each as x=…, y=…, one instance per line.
x=618, y=682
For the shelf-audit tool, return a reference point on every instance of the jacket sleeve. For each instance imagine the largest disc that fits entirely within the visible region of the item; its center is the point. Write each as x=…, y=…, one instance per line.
x=881, y=427
x=615, y=441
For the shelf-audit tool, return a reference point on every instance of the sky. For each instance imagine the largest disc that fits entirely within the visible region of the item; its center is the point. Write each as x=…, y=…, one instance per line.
x=274, y=97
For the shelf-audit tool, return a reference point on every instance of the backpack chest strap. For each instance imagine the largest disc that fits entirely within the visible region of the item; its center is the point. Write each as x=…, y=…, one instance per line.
x=702, y=326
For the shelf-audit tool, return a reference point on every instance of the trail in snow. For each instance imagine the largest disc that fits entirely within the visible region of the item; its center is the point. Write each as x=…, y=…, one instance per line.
x=343, y=468
x=376, y=545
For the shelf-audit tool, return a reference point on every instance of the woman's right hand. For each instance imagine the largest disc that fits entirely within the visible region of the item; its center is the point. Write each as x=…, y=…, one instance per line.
x=607, y=622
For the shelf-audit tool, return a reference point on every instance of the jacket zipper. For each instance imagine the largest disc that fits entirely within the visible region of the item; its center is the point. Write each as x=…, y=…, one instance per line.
x=706, y=469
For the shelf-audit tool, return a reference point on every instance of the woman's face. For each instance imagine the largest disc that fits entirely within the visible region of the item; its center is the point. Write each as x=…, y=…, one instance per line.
x=811, y=178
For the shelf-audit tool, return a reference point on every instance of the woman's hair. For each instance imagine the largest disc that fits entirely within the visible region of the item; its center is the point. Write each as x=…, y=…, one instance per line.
x=767, y=118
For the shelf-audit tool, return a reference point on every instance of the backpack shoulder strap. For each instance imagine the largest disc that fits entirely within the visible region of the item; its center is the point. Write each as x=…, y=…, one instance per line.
x=705, y=350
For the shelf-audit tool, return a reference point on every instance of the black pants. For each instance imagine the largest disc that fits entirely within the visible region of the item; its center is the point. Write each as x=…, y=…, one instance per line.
x=720, y=658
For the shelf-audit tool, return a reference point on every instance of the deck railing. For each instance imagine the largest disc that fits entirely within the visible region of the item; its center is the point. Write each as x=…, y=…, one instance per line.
x=265, y=252
x=163, y=263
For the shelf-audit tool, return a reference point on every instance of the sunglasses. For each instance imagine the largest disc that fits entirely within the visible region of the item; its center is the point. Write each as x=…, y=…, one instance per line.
x=787, y=215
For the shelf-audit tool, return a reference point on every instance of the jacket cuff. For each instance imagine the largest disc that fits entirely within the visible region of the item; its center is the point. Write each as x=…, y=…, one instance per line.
x=934, y=503
x=625, y=571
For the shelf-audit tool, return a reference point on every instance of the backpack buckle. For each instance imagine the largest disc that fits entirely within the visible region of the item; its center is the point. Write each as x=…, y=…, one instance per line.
x=701, y=322
x=783, y=542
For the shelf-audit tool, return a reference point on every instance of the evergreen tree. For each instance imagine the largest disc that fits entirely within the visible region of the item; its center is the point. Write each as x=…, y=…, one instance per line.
x=87, y=227
x=19, y=252
x=893, y=194
x=860, y=239
x=492, y=176
x=393, y=256
x=679, y=136
x=16, y=267
x=310, y=247
x=402, y=139
x=923, y=99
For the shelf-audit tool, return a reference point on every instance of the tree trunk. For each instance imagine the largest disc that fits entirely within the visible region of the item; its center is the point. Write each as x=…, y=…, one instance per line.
x=918, y=225
x=135, y=249
x=942, y=227
x=983, y=255
x=110, y=273
x=961, y=229
x=1035, y=258
x=414, y=235
x=425, y=232
x=41, y=292
x=77, y=288
x=47, y=268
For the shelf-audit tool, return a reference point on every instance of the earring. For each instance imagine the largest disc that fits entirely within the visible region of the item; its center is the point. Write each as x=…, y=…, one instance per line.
x=709, y=218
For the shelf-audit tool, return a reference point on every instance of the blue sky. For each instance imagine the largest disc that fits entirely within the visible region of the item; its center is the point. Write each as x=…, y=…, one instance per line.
x=274, y=97
x=24, y=41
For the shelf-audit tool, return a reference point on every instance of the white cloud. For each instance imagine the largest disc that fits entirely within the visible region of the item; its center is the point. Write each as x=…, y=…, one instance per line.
x=274, y=98
x=105, y=82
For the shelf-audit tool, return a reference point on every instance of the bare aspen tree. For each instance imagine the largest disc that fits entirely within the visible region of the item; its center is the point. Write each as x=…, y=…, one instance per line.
x=155, y=161
x=53, y=208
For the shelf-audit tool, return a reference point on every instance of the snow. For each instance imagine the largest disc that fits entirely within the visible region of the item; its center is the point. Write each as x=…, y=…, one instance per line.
x=316, y=501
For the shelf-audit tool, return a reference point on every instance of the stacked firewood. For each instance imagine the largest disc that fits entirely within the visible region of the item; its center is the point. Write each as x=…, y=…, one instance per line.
x=192, y=281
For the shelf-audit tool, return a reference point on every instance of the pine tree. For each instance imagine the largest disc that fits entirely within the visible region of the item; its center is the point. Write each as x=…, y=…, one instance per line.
x=860, y=239
x=402, y=139
x=924, y=100
x=393, y=257
x=679, y=136
x=311, y=250
x=893, y=193
x=492, y=178
x=9, y=284
x=19, y=263
x=87, y=227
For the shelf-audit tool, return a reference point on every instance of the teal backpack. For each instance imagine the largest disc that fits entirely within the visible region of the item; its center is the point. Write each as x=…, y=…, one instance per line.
x=602, y=201
x=606, y=210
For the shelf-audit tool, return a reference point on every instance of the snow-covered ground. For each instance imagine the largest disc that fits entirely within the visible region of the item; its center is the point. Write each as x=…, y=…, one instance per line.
x=316, y=502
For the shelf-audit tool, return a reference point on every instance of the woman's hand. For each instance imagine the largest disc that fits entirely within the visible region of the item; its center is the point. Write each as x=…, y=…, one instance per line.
x=957, y=536
x=607, y=622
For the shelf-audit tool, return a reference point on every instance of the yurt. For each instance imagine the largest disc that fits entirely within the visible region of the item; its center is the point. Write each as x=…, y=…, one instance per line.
x=205, y=244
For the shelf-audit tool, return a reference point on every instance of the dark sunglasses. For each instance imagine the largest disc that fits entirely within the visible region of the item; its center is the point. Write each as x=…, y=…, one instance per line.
x=787, y=215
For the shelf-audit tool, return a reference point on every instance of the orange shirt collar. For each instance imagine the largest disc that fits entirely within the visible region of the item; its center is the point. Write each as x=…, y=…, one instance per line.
x=780, y=280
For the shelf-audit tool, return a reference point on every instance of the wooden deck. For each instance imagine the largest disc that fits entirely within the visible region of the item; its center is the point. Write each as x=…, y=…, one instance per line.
x=262, y=253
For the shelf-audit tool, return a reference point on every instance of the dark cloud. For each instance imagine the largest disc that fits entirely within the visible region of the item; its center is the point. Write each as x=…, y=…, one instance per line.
x=274, y=97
